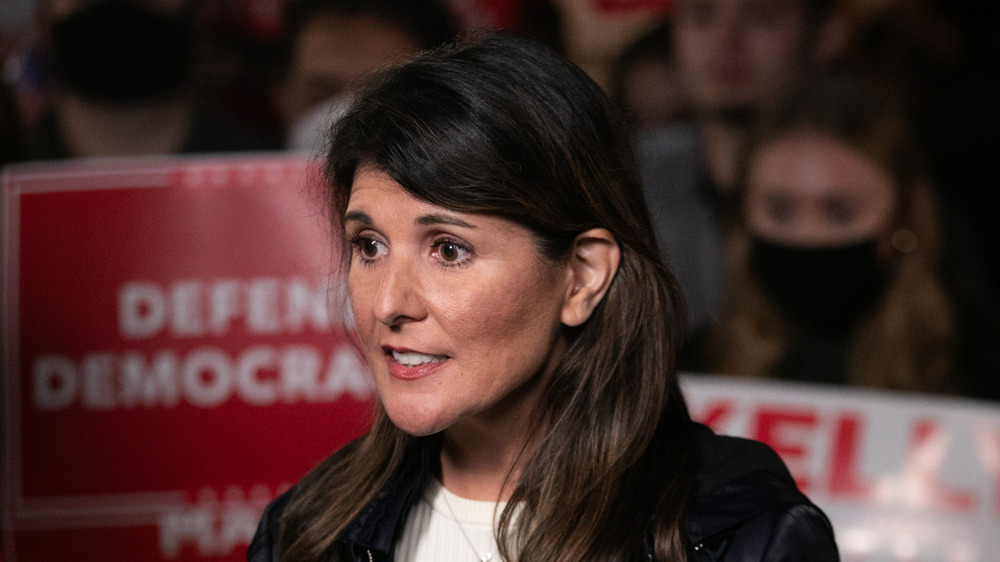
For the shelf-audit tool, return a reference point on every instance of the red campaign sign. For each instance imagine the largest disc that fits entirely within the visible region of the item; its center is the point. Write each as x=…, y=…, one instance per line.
x=172, y=359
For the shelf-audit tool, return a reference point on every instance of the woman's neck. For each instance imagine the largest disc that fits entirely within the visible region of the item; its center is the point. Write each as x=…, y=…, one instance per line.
x=475, y=465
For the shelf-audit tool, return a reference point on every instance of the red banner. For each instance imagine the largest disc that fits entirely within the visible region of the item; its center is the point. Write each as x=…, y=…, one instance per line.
x=173, y=358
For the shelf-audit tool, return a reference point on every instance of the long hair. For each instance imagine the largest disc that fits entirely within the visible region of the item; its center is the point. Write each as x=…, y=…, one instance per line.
x=506, y=127
x=907, y=341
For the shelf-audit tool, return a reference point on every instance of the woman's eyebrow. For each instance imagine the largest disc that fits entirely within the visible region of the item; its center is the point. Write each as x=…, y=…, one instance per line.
x=426, y=220
x=358, y=216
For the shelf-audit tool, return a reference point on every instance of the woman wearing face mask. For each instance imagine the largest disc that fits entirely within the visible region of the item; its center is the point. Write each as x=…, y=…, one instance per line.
x=521, y=329
x=835, y=245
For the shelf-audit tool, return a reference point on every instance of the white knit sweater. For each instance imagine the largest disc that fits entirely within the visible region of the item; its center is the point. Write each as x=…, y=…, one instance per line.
x=432, y=533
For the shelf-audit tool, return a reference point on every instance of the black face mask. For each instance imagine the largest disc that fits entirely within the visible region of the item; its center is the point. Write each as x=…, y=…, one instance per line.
x=117, y=51
x=827, y=289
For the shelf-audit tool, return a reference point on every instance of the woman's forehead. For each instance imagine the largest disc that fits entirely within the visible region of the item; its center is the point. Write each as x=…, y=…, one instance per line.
x=810, y=164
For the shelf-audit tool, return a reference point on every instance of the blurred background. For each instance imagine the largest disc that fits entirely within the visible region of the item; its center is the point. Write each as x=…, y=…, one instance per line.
x=824, y=178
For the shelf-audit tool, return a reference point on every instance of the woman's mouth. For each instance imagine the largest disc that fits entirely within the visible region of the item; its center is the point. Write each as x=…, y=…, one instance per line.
x=414, y=359
x=409, y=365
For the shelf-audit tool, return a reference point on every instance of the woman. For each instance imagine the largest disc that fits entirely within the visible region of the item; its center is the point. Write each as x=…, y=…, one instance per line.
x=521, y=329
x=836, y=248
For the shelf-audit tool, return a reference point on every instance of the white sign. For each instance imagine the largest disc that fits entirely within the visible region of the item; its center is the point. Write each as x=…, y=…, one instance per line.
x=903, y=477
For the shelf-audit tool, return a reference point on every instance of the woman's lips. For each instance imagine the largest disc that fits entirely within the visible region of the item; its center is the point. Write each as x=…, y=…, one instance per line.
x=410, y=365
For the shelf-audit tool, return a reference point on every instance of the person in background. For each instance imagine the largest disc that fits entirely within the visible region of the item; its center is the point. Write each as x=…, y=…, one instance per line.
x=125, y=83
x=732, y=56
x=329, y=44
x=836, y=245
x=521, y=329
x=645, y=82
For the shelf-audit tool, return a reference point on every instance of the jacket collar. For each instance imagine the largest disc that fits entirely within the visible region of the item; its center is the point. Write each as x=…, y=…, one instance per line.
x=738, y=480
x=375, y=527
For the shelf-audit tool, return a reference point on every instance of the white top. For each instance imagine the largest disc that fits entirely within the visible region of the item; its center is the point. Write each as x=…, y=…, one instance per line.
x=434, y=533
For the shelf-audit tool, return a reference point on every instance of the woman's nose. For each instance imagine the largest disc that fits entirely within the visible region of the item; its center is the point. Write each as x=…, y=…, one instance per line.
x=397, y=299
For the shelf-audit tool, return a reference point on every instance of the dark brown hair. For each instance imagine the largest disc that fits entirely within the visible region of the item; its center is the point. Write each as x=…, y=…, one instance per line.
x=507, y=127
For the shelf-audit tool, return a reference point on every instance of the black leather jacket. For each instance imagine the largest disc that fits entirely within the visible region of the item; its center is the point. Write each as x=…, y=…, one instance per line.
x=746, y=508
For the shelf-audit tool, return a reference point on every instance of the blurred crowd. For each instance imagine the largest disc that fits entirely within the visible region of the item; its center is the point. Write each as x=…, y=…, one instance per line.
x=824, y=174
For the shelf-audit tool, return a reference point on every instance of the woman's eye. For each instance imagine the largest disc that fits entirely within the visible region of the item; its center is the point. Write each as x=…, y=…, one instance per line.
x=841, y=212
x=451, y=252
x=779, y=210
x=368, y=248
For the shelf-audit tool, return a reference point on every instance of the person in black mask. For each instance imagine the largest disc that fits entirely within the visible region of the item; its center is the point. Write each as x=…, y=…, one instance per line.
x=835, y=248
x=125, y=79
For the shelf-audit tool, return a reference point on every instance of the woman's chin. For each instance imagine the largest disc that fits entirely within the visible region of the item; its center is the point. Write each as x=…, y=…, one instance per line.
x=418, y=423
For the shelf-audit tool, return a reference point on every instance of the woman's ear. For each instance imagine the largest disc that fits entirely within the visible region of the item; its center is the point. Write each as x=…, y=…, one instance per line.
x=592, y=265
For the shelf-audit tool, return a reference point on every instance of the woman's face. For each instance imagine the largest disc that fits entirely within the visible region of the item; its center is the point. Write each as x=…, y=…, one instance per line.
x=808, y=189
x=458, y=313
